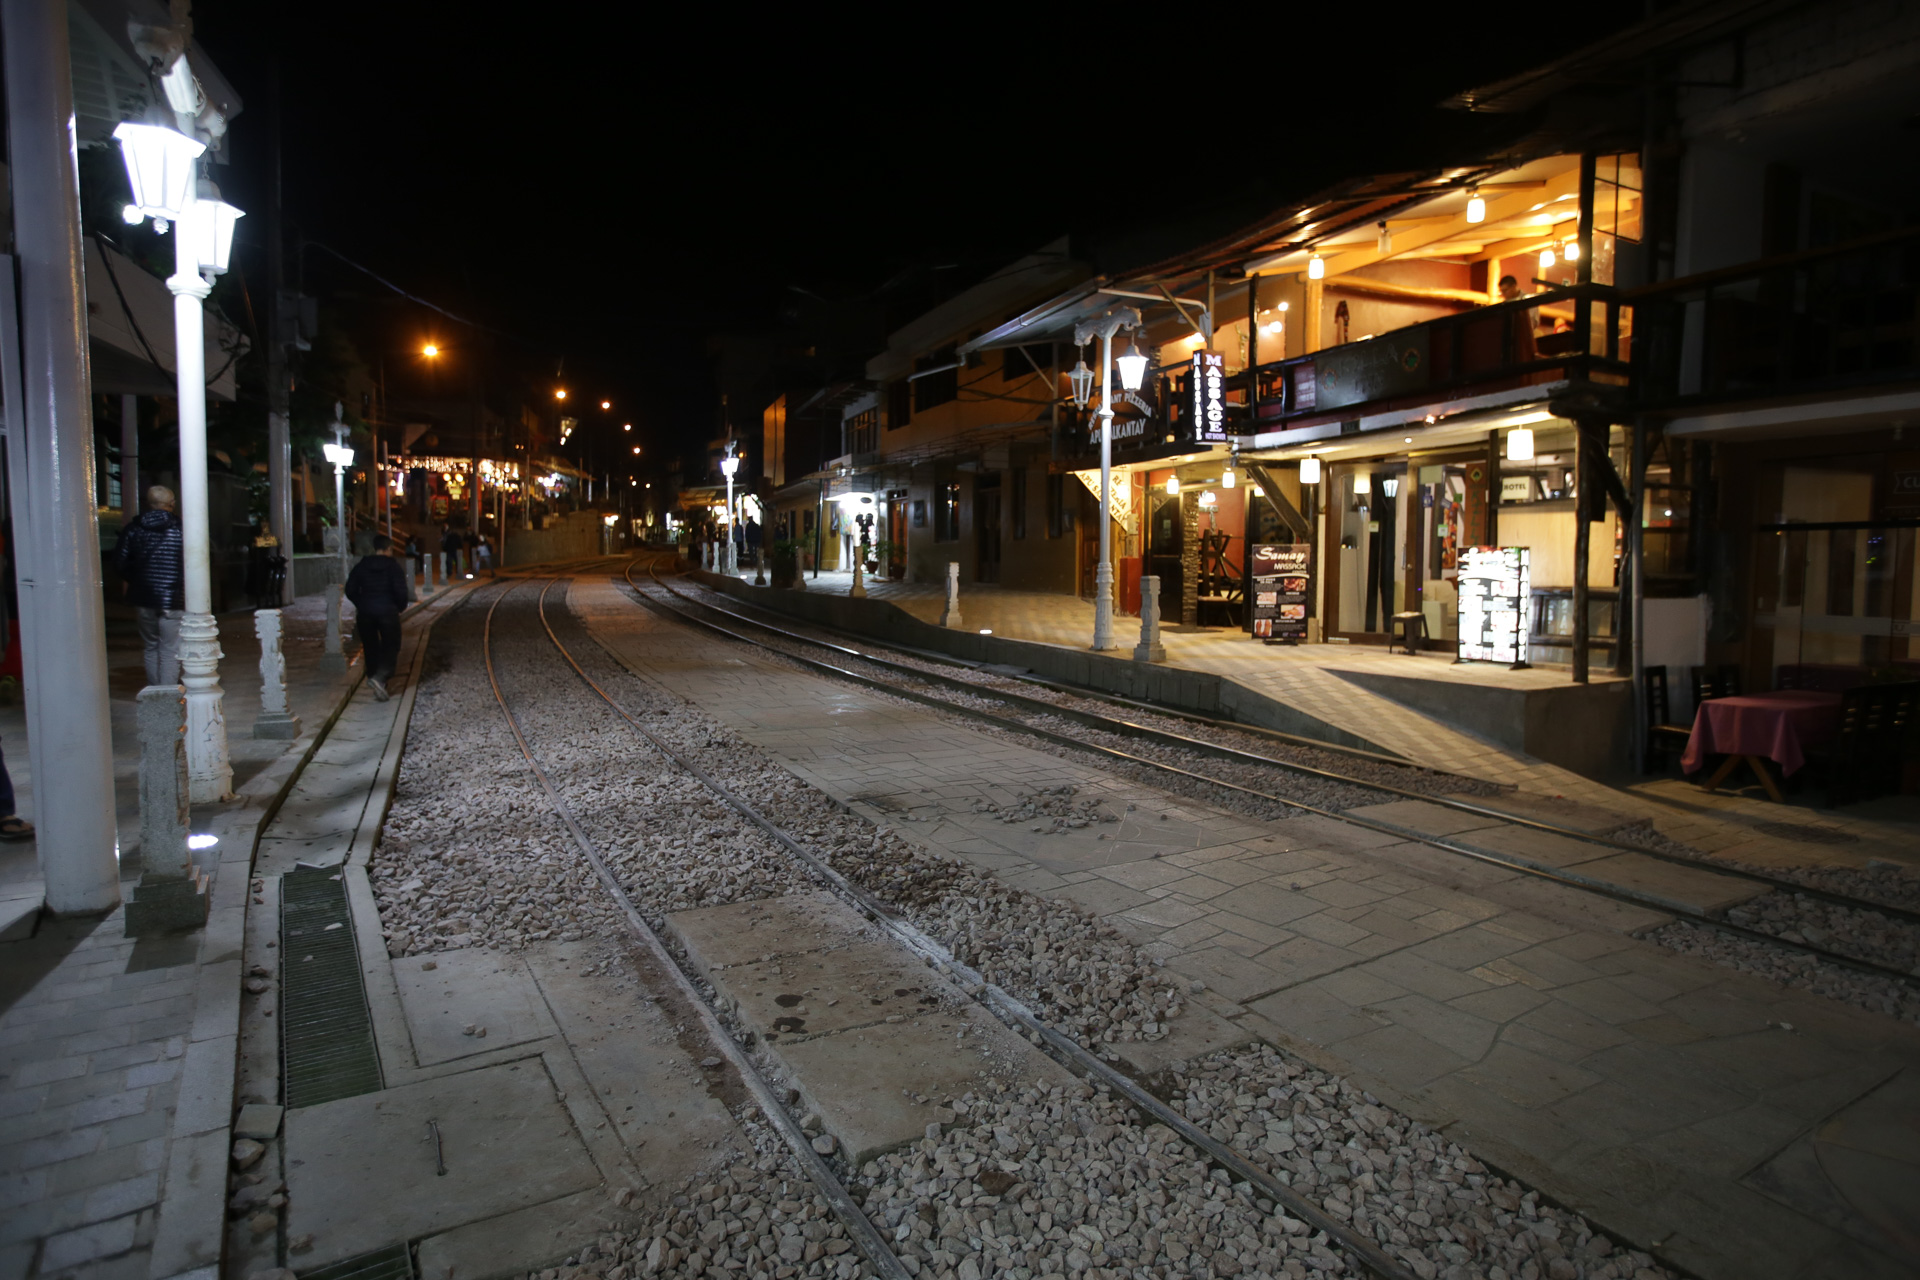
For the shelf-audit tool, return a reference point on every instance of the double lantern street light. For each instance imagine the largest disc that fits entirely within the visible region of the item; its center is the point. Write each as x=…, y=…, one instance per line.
x=1133, y=368
x=163, y=173
x=340, y=454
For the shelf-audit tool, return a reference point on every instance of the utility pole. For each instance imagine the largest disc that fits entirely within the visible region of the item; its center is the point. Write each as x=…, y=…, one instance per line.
x=50, y=449
x=279, y=428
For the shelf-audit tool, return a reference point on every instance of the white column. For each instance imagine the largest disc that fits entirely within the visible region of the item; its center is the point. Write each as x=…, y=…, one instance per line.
x=1103, y=572
x=950, y=617
x=1150, y=649
x=209, y=774
x=50, y=442
x=276, y=720
x=280, y=493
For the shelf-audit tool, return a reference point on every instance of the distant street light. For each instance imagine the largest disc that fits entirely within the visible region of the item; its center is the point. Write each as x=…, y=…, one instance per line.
x=1104, y=328
x=430, y=351
x=340, y=454
x=729, y=465
x=560, y=394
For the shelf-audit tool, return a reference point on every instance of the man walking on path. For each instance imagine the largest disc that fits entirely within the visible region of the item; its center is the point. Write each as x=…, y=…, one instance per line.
x=451, y=543
x=378, y=588
x=149, y=559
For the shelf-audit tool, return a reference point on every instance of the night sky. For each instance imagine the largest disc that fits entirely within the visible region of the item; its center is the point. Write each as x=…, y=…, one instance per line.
x=618, y=186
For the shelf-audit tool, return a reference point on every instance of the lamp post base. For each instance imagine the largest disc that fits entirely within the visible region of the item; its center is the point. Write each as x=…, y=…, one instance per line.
x=1103, y=606
x=209, y=770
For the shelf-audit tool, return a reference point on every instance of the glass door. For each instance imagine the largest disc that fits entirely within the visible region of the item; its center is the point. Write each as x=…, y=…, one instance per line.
x=1371, y=563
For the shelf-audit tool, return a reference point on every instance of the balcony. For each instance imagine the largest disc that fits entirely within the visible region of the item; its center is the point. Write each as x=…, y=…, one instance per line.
x=1827, y=319
x=1485, y=350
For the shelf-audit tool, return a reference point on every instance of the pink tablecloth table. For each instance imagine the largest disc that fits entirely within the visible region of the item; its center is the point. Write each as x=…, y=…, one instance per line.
x=1761, y=726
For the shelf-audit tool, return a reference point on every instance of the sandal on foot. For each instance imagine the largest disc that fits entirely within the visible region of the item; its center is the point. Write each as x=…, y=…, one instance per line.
x=15, y=828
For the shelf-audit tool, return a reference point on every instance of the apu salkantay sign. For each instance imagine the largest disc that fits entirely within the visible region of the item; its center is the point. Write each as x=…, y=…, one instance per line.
x=1209, y=392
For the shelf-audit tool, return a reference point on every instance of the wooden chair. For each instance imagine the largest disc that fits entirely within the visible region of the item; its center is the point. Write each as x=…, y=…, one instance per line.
x=1877, y=732
x=1727, y=682
x=1662, y=734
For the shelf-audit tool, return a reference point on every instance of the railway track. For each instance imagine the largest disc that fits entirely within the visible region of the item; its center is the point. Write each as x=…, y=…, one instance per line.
x=919, y=684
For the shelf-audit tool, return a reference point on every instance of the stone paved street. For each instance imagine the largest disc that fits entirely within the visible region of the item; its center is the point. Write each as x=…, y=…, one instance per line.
x=1653, y=1091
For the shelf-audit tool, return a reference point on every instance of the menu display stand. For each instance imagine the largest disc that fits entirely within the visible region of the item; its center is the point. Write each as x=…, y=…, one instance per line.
x=1495, y=601
x=1282, y=577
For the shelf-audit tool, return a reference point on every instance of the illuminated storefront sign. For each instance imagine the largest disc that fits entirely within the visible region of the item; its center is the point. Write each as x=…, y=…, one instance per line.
x=1496, y=600
x=1208, y=386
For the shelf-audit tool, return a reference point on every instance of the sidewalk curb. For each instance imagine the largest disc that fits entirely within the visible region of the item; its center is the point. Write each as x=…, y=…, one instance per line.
x=194, y=1186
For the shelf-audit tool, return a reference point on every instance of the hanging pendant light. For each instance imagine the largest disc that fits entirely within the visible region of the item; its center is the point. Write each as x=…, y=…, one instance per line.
x=1081, y=382
x=1173, y=486
x=1520, y=444
x=1316, y=267
x=1133, y=367
x=1228, y=479
x=1571, y=250
x=1383, y=243
x=1309, y=471
x=1546, y=258
x=1476, y=207
x=1390, y=486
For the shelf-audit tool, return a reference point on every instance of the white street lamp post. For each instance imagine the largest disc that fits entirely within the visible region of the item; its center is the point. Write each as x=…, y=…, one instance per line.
x=340, y=454
x=1104, y=329
x=160, y=169
x=729, y=465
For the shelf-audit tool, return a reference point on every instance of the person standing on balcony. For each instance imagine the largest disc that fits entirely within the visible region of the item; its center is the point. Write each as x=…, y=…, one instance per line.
x=1524, y=348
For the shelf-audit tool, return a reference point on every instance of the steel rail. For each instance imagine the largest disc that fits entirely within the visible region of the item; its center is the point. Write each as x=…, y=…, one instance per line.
x=866, y=1236
x=1512, y=862
x=1008, y=1008
x=1128, y=728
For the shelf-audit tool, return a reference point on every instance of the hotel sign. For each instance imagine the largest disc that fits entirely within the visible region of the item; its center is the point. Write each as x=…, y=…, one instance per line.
x=1208, y=389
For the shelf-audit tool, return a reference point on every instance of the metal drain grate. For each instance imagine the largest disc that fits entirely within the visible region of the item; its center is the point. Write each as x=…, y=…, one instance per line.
x=395, y=1262
x=1802, y=833
x=326, y=1034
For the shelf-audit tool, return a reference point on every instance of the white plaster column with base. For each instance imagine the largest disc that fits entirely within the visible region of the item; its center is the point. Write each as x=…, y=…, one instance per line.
x=859, y=591
x=276, y=720
x=950, y=616
x=172, y=893
x=333, y=659
x=209, y=771
x=1150, y=649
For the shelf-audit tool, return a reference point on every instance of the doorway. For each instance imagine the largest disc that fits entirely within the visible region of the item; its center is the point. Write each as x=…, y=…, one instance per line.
x=1370, y=561
x=897, y=534
x=986, y=527
x=1166, y=543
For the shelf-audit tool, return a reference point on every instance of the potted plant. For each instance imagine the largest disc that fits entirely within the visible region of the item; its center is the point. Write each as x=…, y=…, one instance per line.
x=879, y=551
x=786, y=562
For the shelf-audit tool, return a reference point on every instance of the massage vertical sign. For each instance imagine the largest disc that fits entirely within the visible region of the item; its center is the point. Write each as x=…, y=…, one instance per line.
x=1496, y=598
x=1282, y=591
x=1209, y=379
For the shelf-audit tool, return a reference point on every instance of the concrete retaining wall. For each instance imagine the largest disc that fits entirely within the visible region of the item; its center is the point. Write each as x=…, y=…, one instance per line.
x=1184, y=690
x=577, y=534
x=1585, y=728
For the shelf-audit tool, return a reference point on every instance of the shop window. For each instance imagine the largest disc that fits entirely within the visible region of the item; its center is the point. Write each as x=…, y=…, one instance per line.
x=899, y=404
x=1617, y=210
x=946, y=513
x=932, y=388
x=863, y=431
x=1017, y=495
x=806, y=522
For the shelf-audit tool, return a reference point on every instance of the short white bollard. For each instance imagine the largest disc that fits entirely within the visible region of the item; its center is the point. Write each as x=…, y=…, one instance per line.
x=950, y=617
x=1150, y=649
x=333, y=658
x=276, y=720
x=172, y=893
x=859, y=591
x=427, y=562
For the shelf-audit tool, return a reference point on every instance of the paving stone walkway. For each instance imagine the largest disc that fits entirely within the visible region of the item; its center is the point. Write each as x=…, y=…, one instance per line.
x=1310, y=678
x=117, y=1055
x=1678, y=1103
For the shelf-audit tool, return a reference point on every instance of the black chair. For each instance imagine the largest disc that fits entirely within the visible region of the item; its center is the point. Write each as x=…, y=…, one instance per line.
x=1662, y=734
x=1727, y=684
x=1877, y=733
x=1722, y=681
